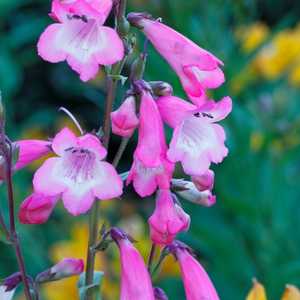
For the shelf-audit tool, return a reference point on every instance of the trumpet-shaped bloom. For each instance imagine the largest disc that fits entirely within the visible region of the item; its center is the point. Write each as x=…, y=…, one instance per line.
x=197, y=139
x=168, y=219
x=77, y=174
x=37, y=208
x=197, y=283
x=135, y=279
x=151, y=168
x=197, y=69
x=124, y=120
x=79, y=37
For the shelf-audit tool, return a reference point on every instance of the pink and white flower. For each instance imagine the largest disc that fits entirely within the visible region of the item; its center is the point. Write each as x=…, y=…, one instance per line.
x=135, y=279
x=151, y=168
x=80, y=38
x=197, y=139
x=124, y=120
x=197, y=283
x=77, y=174
x=197, y=69
x=6, y=295
x=168, y=219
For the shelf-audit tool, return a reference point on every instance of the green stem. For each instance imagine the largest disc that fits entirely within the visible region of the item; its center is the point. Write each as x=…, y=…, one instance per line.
x=151, y=257
x=120, y=152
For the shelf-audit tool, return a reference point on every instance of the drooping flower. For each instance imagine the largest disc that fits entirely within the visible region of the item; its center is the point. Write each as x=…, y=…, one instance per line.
x=77, y=174
x=197, y=283
x=135, y=279
x=168, y=219
x=65, y=268
x=197, y=69
x=197, y=139
x=79, y=37
x=37, y=208
x=151, y=168
x=124, y=120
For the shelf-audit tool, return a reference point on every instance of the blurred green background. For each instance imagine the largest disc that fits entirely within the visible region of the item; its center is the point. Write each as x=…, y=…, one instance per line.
x=253, y=231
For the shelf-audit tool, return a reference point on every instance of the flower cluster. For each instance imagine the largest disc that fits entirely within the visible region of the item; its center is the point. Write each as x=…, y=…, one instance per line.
x=76, y=171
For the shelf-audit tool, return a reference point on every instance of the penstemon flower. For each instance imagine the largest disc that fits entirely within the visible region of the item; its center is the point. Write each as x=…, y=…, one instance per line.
x=197, y=140
x=80, y=38
x=124, y=120
x=197, y=68
x=151, y=168
x=168, y=219
x=77, y=174
x=135, y=279
x=197, y=283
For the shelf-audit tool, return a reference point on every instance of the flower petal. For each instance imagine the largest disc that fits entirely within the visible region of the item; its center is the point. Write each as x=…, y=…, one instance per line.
x=92, y=143
x=108, y=183
x=63, y=140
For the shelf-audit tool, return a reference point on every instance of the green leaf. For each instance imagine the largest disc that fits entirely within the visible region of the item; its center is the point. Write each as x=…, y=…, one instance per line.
x=95, y=287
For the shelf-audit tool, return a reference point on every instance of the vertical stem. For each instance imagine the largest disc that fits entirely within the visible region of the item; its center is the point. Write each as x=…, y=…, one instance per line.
x=4, y=227
x=151, y=257
x=13, y=234
x=120, y=152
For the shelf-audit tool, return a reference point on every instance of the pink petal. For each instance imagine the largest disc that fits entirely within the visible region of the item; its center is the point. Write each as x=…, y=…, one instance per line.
x=63, y=140
x=30, y=150
x=47, y=179
x=108, y=183
x=37, y=208
x=92, y=143
x=78, y=199
x=174, y=110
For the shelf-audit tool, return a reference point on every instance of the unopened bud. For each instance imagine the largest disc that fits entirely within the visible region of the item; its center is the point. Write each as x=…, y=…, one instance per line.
x=123, y=27
x=66, y=268
x=204, y=182
x=161, y=88
x=136, y=19
x=188, y=191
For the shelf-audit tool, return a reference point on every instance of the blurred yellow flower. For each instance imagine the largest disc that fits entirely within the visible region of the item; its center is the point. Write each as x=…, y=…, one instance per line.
x=258, y=292
x=279, y=55
x=252, y=36
x=256, y=141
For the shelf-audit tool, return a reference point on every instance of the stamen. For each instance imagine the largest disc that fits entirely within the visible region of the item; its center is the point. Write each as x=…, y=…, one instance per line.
x=71, y=116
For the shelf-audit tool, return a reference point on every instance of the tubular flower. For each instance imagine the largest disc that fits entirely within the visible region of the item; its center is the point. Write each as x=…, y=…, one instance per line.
x=135, y=279
x=79, y=37
x=124, y=120
x=197, y=140
x=197, y=69
x=77, y=174
x=151, y=168
x=168, y=219
x=197, y=283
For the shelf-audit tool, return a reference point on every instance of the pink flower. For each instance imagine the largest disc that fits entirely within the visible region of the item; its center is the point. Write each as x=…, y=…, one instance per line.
x=168, y=219
x=197, y=283
x=124, y=120
x=77, y=174
x=65, y=268
x=79, y=37
x=197, y=68
x=30, y=150
x=135, y=279
x=197, y=140
x=189, y=191
x=151, y=168
x=205, y=181
x=37, y=208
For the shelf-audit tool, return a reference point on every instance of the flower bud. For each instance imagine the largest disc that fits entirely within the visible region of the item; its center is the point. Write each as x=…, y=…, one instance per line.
x=37, y=208
x=204, y=182
x=161, y=88
x=159, y=294
x=188, y=191
x=124, y=120
x=168, y=219
x=136, y=19
x=11, y=282
x=65, y=268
